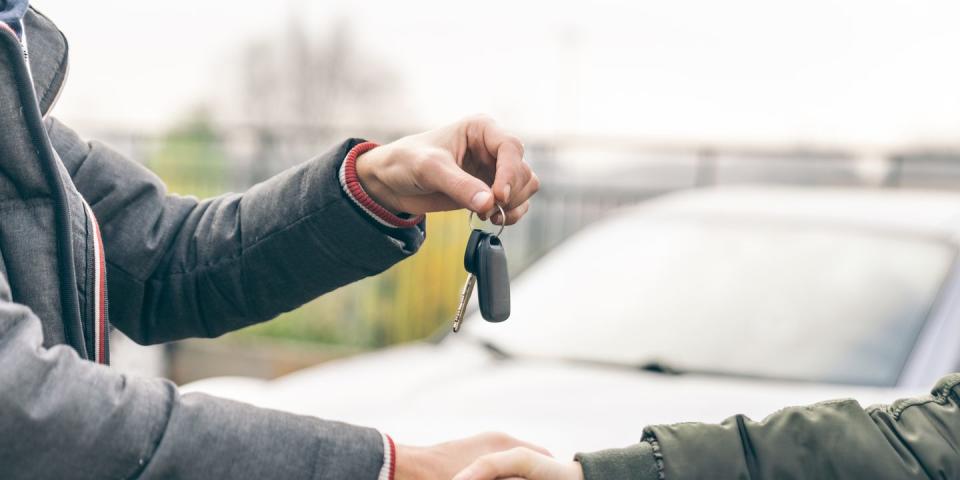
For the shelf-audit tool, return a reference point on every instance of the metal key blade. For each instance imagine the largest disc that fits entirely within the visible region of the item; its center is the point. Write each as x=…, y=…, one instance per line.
x=464, y=299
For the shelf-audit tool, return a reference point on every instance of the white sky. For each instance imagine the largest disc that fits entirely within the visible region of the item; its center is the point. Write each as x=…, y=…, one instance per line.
x=859, y=72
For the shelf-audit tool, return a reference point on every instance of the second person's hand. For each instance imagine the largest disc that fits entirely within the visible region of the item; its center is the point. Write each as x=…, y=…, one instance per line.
x=442, y=461
x=470, y=164
x=520, y=463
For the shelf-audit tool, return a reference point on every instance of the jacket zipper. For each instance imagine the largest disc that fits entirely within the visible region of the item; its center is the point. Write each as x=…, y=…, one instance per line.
x=69, y=302
x=89, y=283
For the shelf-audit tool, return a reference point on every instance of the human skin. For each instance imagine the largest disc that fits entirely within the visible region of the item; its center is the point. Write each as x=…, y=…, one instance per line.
x=472, y=164
x=443, y=461
x=520, y=463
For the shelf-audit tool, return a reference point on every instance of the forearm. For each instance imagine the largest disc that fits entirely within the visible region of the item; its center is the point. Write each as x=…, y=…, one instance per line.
x=242, y=259
x=179, y=267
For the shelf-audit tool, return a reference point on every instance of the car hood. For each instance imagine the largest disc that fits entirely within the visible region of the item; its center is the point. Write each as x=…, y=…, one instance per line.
x=427, y=393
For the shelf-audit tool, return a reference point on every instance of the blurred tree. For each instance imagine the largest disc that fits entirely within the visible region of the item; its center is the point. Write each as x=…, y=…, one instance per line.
x=298, y=93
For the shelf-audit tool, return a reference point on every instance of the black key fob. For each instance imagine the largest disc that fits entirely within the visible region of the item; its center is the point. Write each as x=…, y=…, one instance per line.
x=493, y=279
x=470, y=254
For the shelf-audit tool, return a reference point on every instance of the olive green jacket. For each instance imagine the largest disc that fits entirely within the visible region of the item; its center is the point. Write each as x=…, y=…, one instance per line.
x=912, y=438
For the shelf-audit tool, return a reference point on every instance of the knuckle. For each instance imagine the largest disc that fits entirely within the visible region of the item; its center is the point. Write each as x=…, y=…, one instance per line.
x=525, y=168
x=474, y=125
x=499, y=440
x=480, y=119
x=517, y=143
x=460, y=186
x=426, y=162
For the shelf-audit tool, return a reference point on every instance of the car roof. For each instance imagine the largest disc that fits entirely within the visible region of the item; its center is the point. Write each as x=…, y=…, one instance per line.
x=927, y=213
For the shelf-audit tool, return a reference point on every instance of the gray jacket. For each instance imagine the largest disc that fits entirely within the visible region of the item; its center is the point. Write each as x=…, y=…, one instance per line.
x=175, y=268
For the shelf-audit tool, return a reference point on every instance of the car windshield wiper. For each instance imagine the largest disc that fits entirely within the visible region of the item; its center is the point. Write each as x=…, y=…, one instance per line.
x=658, y=366
x=652, y=365
x=496, y=351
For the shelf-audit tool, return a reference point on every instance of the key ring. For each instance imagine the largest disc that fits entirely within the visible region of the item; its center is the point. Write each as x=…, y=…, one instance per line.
x=503, y=216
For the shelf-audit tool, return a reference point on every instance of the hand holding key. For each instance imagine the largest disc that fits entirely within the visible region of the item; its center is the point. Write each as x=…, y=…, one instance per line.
x=472, y=164
x=485, y=261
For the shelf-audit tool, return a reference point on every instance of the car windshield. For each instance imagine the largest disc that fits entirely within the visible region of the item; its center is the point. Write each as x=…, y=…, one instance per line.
x=777, y=299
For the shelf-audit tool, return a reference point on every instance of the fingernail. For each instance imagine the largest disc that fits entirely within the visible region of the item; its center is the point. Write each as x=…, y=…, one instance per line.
x=480, y=200
x=506, y=194
x=497, y=219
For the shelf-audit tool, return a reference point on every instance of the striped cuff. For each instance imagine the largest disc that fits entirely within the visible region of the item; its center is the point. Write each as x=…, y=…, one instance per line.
x=351, y=185
x=389, y=468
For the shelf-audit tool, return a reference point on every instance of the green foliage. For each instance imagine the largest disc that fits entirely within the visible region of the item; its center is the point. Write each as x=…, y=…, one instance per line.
x=190, y=158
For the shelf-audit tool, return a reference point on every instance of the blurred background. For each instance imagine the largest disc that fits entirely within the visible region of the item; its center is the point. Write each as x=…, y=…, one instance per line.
x=617, y=102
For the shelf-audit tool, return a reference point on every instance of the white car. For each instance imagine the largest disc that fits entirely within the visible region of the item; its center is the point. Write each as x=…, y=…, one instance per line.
x=691, y=307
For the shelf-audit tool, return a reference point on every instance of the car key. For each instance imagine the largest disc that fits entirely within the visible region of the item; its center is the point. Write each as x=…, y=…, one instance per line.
x=493, y=279
x=469, y=257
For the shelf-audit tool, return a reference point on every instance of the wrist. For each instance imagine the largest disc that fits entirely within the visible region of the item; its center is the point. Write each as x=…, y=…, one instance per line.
x=371, y=183
x=356, y=190
x=412, y=463
x=576, y=470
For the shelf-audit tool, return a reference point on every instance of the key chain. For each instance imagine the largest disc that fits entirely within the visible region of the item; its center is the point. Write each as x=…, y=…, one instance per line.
x=485, y=261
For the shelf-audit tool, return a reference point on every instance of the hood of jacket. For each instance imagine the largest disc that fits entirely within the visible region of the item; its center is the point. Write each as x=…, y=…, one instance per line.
x=48, y=56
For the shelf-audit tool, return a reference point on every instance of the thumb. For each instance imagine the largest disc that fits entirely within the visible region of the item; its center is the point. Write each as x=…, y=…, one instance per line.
x=464, y=189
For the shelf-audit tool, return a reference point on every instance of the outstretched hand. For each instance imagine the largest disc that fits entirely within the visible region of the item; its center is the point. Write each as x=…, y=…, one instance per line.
x=520, y=463
x=443, y=461
x=470, y=164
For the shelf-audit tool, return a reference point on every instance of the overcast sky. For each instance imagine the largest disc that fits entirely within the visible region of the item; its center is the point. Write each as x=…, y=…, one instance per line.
x=859, y=72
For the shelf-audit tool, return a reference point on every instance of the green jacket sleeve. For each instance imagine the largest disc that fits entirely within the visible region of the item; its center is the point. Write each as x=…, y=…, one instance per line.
x=912, y=438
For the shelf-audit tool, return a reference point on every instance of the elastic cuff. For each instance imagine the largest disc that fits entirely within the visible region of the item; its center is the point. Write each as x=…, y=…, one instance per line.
x=389, y=469
x=351, y=186
x=637, y=462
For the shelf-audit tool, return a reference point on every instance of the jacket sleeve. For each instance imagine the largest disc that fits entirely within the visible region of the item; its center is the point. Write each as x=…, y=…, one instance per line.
x=179, y=267
x=63, y=417
x=912, y=438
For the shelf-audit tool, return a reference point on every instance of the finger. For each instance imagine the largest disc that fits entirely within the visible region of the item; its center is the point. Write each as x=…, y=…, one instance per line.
x=510, y=174
x=513, y=216
x=517, y=462
x=538, y=449
x=526, y=191
x=508, y=151
x=441, y=175
x=498, y=441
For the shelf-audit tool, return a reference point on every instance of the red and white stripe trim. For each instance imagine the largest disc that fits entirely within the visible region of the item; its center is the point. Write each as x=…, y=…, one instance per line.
x=389, y=468
x=351, y=185
x=99, y=292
